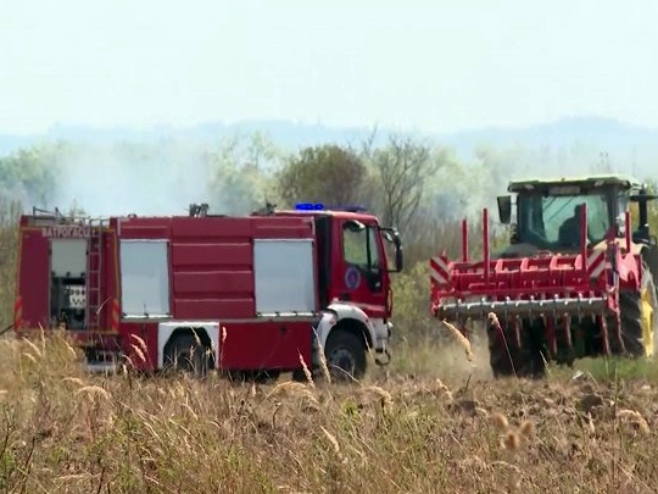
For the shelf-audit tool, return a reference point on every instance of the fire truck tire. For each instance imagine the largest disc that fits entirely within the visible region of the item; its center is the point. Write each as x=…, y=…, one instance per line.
x=507, y=359
x=638, y=317
x=184, y=354
x=346, y=355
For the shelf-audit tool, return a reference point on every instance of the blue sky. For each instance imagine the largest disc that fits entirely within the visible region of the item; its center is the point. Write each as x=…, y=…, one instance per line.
x=434, y=66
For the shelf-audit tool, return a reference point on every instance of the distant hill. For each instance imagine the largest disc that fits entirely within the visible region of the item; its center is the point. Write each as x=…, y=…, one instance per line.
x=632, y=146
x=608, y=135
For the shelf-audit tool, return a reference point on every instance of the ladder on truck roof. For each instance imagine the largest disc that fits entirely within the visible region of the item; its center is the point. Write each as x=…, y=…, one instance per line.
x=94, y=272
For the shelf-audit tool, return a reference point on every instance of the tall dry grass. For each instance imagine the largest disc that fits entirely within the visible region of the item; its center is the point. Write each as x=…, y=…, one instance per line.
x=434, y=421
x=64, y=431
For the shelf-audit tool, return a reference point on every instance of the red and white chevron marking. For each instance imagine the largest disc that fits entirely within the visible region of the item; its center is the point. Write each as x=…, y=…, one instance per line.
x=439, y=270
x=595, y=264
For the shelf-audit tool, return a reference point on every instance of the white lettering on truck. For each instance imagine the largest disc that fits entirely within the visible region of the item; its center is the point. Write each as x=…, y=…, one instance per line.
x=66, y=232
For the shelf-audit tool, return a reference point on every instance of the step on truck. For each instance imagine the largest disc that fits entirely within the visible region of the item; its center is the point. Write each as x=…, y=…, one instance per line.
x=576, y=280
x=252, y=296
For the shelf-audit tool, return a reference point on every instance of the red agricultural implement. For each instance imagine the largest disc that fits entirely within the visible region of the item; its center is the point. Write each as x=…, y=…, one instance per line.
x=574, y=282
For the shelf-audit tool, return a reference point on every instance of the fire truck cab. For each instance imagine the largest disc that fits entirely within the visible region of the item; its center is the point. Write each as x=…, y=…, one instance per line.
x=251, y=296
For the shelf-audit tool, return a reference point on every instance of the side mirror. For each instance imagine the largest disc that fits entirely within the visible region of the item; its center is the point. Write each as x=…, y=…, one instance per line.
x=398, y=254
x=391, y=235
x=505, y=209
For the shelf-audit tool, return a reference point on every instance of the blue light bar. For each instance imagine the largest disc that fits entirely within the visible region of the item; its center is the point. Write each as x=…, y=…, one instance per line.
x=308, y=206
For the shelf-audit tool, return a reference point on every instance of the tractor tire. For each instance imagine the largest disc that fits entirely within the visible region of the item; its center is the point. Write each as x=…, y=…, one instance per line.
x=187, y=356
x=346, y=355
x=639, y=318
x=507, y=359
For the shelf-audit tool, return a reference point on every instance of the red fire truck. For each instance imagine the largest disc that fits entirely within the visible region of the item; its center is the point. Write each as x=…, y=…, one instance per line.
x=252, y=296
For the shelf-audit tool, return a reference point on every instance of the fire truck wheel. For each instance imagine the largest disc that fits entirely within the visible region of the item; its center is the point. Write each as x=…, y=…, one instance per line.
x=346, y=355
x=638, y=318
x=186, y=355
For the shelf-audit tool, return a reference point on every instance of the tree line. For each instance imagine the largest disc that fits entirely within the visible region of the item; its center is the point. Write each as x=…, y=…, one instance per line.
x=422, y=188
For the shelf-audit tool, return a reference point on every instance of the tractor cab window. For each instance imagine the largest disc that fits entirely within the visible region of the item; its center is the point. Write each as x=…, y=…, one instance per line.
x=360, y=245
x=549, y=221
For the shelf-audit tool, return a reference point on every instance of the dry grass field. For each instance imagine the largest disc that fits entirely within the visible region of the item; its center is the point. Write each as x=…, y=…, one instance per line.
x=435, y=422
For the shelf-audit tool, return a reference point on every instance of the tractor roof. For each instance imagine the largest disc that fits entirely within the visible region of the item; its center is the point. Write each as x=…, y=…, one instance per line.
x=625, y=181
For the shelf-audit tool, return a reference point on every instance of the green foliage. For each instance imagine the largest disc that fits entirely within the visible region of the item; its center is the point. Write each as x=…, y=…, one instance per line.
x=411, y=299
x=328, y=174
x=401, y=169
x=614, y=368
x=30, y=174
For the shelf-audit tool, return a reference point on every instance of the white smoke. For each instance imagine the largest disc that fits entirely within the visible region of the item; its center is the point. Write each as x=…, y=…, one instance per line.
x=155, y=178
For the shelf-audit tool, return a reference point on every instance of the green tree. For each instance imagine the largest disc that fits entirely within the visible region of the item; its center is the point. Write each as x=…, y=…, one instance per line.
x=401, y=168
x=328, y=174
x=29, y=175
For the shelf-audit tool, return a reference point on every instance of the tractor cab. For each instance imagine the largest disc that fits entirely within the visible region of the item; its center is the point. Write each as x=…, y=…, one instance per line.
x=548, y=212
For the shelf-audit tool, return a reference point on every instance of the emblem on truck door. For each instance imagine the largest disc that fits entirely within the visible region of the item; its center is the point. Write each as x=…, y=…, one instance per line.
x=352, y=277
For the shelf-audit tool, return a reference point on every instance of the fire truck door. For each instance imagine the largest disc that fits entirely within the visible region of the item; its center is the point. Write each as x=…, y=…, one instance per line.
x=361, y=277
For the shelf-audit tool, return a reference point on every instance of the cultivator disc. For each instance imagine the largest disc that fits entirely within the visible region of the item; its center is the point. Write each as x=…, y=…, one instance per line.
x=550, y=291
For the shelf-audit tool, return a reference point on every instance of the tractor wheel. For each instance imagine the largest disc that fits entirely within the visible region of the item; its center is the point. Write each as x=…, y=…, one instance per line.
x=187, y=356
x=507, y=359
x=346, y=355
x=639, y=317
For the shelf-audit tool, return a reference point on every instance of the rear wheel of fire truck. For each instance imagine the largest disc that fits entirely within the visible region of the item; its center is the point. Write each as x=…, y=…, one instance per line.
x=639, y=318
x=506, y=358
x=184, y=354
x=345, y=352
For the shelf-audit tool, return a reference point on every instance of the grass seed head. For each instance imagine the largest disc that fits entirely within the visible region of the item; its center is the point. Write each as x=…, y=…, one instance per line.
x=500, y=421
x=461, y=339
x=511, y=441
x=527, y=429
x=635, y=420
x=307, y=372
